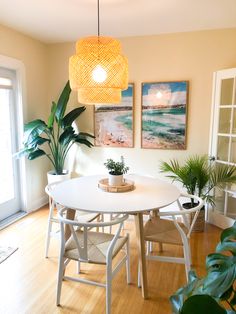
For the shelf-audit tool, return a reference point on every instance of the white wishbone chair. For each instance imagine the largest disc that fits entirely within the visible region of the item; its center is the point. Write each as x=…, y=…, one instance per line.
x=52, y=217
x=80, y=243
x=167, y=227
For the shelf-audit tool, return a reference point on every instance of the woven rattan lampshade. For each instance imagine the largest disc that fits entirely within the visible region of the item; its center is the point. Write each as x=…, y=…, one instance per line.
x=98, y=70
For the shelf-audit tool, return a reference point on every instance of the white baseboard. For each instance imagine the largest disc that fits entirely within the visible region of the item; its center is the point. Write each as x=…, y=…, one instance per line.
x=37, y=204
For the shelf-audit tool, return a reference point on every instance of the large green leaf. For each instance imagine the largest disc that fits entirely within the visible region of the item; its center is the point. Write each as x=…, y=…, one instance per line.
x=67, y=136
x=86, y=134
x=32, y=130
x=221, y=274
x=71, y=116
x=227, y=246
x=62, y=102
x=52, y=115
x=82, y=140
x=202, y=304
x=229, y=233
x=194, y=284
x=37, y=141
x=24, y=152
x=37, y=123
x=37, y=153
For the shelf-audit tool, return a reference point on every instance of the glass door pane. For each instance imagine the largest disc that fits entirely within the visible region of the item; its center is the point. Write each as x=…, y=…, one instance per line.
x=6, y=166
x=9, y=166
x=224, y=120
x=222, y=148
x=233, y=150
x=219, y=199
x=234, y=121
x=223, y=142
x=226, y=92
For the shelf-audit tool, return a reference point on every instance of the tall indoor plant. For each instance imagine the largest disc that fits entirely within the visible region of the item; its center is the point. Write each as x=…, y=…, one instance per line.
x=198, y=176
x=55, y=137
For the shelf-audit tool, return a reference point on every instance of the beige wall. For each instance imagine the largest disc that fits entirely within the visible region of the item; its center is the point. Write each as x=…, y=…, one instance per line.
x=192, y=56
x=33, y=55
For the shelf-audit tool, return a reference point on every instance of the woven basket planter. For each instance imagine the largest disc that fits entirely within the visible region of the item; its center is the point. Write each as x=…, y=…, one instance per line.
x=199, y=225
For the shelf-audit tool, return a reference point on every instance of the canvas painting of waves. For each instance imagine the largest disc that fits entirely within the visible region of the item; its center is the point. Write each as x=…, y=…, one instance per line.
x=164, y=115
x=113, y=124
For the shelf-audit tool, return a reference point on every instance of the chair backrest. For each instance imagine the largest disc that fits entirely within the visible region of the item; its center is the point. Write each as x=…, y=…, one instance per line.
x=50, y=187
x=189, y=215
x=84, y=227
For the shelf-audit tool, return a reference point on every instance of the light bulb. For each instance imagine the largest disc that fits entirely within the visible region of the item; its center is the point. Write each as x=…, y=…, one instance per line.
x=99, y=75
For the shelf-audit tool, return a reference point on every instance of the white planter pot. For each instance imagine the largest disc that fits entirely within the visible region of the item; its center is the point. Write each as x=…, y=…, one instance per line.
x=53, y=177
x=115, y=180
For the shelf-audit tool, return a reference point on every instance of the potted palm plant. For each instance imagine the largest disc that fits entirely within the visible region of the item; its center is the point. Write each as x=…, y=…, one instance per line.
x=199, y=177
x=116, y=170
x=55, y=137
x=215, y=293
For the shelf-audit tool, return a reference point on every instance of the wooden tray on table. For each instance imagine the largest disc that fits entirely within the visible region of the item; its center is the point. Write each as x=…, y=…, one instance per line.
x=128, y=185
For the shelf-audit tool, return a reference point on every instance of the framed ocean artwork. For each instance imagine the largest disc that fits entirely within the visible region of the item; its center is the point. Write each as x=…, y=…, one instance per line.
x=164, y=115
x=113, y=124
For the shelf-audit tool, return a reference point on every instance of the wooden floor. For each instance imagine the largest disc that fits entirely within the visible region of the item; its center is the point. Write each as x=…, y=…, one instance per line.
x=28, y=280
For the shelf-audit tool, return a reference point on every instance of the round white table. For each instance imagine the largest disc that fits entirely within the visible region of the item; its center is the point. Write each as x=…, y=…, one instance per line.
x=149, y=193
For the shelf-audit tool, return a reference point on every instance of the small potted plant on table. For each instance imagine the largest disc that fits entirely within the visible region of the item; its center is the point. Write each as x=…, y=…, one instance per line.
x=116, y=170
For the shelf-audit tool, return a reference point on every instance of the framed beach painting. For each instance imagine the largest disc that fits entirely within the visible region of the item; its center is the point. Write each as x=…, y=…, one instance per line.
x=164, y=115
x=113, y=124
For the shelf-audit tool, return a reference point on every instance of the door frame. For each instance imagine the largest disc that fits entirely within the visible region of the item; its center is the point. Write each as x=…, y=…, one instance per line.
x=214, y=217
x=19, y=68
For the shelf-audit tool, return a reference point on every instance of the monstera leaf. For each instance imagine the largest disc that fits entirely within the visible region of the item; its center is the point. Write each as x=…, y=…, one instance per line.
x=209, y=294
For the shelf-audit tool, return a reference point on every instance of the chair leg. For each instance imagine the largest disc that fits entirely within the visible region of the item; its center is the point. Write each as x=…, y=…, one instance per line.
x=127, y=261
x=139, y=275
x=111, y=217
x=190, y=255
x=78, y=267
x=160, y=247
x=187, y=260
x=108, y=286
x=49, y=229
x=61, y=271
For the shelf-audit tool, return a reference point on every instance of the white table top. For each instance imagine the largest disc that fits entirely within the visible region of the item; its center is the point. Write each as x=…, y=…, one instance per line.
x=83, y=193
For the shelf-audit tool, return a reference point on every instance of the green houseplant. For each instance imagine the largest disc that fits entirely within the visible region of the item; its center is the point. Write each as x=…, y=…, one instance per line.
x=116, y=170
x=199, y=177
x=55, y=137
x=215, y=293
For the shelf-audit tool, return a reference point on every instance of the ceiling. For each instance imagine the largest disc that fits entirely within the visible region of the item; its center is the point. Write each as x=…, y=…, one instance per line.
x=52, y=21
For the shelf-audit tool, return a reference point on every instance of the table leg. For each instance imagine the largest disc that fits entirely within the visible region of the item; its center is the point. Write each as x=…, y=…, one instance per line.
x=141, y=247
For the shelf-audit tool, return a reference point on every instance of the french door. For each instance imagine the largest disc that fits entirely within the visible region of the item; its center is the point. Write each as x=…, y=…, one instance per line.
x=9, y=167
x=223, y=143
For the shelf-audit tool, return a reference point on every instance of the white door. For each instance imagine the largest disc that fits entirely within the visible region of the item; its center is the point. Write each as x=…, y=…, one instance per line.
x=223, y=143
x=9, y=166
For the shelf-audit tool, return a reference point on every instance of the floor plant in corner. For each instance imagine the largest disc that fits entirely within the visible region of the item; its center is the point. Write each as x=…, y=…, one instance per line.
x=55, y=137
x=215, y=293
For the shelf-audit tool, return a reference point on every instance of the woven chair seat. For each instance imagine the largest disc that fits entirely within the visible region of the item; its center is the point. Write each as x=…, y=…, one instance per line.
x=98, y=244
x=163, y=231
x=82, y=216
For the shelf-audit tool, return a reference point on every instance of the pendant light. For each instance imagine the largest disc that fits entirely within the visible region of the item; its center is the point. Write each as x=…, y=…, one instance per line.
x=98, y=71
